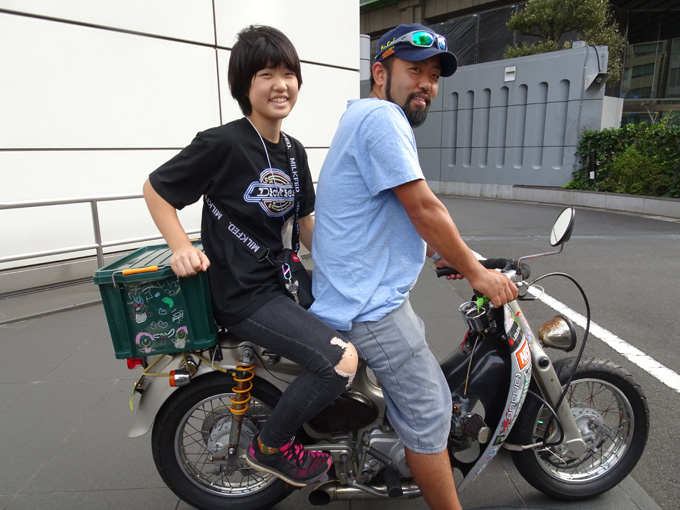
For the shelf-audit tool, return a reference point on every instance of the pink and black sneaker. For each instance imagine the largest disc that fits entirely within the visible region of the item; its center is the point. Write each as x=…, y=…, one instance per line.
x=292, y=463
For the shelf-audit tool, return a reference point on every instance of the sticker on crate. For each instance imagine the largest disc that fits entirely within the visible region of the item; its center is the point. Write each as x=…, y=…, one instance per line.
x=157, y=315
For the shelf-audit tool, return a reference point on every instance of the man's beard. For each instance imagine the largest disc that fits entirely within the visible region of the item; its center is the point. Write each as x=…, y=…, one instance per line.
x=415, y=117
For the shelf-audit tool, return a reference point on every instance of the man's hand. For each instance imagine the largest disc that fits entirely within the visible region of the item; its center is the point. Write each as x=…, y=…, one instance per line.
x=496, y=286
x=188, y=261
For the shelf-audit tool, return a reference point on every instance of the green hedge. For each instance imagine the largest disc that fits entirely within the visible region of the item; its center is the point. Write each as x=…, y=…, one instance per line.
x=637, y=159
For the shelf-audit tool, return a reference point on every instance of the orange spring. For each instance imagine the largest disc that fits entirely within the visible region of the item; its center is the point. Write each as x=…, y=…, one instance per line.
x=243, y=378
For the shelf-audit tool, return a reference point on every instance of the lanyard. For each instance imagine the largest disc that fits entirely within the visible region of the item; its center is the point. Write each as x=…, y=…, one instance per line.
x=297, y=187
x=247, y=240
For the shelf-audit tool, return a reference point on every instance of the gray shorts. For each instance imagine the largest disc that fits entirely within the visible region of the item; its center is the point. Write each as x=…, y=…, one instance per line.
x=417, y=395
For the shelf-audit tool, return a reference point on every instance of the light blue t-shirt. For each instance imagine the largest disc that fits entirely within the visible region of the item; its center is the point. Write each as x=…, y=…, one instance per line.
x=367, y=254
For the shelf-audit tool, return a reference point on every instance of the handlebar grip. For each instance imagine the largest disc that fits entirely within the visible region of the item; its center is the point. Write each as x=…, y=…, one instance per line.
x=506, y=265
x=487, y=263
x=499, y=263
x=445, y=271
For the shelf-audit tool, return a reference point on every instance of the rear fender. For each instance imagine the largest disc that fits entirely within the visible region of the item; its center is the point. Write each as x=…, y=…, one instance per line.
x=158, y=389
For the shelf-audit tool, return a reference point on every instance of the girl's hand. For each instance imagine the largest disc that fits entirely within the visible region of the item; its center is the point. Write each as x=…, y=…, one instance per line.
x=188, y=261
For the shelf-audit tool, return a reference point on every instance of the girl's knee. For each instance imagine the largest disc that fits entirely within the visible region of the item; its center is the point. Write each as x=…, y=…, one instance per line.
x=347, y=366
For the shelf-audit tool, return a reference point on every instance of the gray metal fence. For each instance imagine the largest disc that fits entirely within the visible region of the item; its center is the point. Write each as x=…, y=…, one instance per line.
x=98, y=246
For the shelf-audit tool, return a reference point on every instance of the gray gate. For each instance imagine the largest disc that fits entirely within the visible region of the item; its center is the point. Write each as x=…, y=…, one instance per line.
x=516, y=121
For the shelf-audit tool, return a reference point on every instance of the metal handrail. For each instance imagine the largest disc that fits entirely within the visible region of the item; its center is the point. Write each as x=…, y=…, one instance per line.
x=98, y=244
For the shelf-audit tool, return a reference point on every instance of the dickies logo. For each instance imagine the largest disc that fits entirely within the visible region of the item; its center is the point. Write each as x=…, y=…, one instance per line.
x=273, y=192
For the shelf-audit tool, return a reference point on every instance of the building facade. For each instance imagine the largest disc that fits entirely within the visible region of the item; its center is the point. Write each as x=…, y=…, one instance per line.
x=476, y=31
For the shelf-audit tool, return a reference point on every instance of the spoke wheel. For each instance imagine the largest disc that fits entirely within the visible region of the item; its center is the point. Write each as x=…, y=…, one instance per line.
x=612, y=415
x=190, y=441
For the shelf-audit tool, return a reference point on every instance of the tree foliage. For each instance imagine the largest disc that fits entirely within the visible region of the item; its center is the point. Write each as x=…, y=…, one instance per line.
x=552, y=20
x=642, y=159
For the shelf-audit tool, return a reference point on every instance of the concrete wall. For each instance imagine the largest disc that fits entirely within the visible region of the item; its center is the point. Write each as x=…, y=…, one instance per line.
x=517, y=121
x=95, y=95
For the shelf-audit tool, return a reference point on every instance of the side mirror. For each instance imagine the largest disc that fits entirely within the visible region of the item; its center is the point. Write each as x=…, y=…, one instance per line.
x=561, y=230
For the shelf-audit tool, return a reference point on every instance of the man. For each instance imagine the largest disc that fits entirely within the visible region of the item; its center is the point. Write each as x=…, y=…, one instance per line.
x=376, y=220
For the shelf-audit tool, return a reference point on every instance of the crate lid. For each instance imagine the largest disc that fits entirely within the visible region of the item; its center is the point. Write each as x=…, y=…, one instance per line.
x=149, y=262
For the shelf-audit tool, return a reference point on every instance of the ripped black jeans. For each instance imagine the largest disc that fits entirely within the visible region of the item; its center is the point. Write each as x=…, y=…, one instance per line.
x=287, y=329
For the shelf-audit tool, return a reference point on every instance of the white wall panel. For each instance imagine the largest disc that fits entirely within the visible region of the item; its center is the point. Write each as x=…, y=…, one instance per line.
x=316, y=157
x=322, y=101
x=131, y=218
x=190, y=20
x=71, y=86
x=60, y=227
x=230, y=108
x=315, y=117
x=321, y=31
x=36, y=175
x=94, y=96
x=45, y=228
x=44, y=175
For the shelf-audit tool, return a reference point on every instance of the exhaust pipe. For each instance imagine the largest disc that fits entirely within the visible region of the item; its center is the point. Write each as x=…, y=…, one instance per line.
x=335, y=491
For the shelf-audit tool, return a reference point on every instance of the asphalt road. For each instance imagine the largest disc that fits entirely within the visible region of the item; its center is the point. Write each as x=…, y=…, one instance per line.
x=65, y=399
x=628, y=266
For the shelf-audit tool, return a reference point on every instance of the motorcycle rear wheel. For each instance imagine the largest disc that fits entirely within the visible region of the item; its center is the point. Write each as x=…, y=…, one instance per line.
x=612, y=413
x=193, y=425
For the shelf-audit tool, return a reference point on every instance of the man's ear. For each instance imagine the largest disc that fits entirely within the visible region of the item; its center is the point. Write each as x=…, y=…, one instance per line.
x=379, y=74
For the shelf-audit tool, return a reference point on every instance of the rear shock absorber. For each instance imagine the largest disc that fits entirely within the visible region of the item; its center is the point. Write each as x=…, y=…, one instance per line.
x=241, y=399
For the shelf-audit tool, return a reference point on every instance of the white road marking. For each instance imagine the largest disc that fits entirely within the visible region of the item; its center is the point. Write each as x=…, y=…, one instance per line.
x=633, y=354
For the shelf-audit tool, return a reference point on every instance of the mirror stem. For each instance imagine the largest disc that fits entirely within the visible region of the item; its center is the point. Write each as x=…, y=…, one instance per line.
x=527, y=257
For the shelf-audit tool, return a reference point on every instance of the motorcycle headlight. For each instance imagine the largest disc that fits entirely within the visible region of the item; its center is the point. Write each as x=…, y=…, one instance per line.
x=559, y=333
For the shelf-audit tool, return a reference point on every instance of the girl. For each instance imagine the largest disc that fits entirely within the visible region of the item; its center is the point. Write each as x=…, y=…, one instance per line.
x=244, y=170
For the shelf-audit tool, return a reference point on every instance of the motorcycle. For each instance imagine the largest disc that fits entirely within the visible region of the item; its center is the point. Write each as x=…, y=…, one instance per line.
x=575, y=428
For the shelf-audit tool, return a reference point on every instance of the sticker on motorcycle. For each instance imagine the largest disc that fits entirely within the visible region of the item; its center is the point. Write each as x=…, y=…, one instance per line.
x=518, y=394
x=523, y=355
x=514, y=333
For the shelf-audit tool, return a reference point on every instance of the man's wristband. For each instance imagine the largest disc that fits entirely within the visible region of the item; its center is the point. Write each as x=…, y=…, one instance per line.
x=435, y=257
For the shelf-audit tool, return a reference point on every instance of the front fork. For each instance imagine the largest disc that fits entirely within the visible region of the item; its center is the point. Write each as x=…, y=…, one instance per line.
x=543, y=372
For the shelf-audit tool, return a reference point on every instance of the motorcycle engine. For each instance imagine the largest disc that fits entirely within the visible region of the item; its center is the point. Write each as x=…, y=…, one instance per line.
x=379, y=446
x=458, y=441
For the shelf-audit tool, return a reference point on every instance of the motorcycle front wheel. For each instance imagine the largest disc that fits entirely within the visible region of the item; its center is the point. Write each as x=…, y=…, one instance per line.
x=611, y=411
x=188, y=441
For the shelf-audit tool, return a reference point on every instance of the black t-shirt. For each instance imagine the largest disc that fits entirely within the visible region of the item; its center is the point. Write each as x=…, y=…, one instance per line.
x=228, y=164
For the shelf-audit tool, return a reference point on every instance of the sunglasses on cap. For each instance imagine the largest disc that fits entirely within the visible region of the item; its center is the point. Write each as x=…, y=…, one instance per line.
x=420, y=39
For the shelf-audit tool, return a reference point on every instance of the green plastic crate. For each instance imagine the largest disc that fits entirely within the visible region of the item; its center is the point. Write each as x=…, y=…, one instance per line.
x=155, y=312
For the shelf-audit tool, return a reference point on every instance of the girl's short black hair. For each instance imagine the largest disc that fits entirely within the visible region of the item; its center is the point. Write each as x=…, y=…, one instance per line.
x=258, y=47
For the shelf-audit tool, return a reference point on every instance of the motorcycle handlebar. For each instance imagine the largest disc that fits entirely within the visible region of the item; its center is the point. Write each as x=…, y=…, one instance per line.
x=500, y=263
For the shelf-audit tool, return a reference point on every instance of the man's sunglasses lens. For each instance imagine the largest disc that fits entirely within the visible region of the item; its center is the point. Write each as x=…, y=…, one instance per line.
x=422, y=39
x=426, y=39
